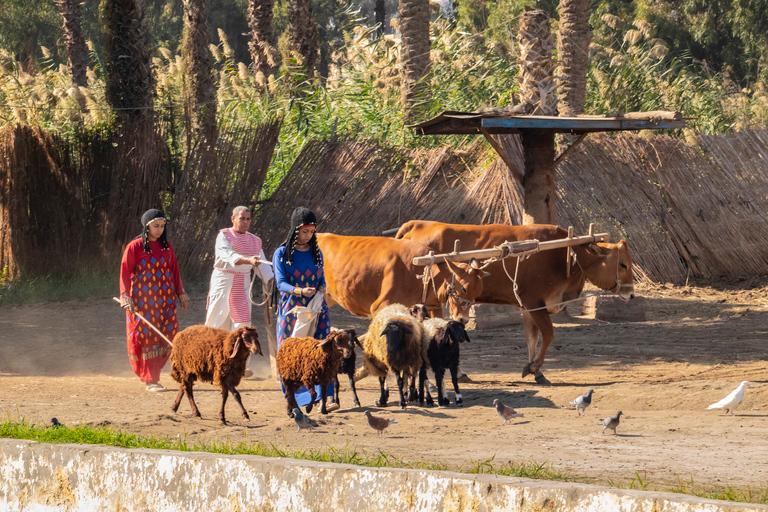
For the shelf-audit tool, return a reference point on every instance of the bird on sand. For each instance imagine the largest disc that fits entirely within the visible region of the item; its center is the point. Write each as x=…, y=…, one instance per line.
x=735, y=398
x=302, y=420
x=56, y=423
x=378, y=424
x=583, y=402
x=610, y=422
x=507, y=413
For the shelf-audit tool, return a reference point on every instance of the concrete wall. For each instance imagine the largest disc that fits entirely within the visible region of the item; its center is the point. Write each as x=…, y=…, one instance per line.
x=44, y=477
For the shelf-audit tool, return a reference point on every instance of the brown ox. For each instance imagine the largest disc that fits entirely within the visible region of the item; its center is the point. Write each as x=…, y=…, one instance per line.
x=365, y=273
x=542, y=280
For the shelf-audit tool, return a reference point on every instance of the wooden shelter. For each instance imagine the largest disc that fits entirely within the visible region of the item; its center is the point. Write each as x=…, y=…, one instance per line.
x=537, y=135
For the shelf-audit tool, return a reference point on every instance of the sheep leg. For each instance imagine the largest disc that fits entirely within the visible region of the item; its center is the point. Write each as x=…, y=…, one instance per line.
x=400, y=384
x=236, y=394
x=192, y=404
x=323, y=396
x=455, y=378
x=290, y=396
x=441, y=399
x=422, y=378
x=382, y=401
x=224, y=395
x=179, y=396
x=312, y=397
x=412, y=388
x=335, y=396
x=354, y=391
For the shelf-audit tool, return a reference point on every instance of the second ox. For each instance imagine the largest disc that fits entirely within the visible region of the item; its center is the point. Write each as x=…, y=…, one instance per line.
x=365, y=273
x=543, y=279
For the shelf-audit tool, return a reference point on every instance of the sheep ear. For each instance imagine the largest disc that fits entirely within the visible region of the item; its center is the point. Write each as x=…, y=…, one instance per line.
x=238, y=342
x=325, y=341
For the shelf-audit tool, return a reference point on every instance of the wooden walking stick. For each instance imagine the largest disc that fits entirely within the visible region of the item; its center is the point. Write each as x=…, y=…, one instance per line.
x=146, y=322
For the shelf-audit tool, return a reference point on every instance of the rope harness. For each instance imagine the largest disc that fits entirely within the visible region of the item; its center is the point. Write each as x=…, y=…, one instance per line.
x=427, y=277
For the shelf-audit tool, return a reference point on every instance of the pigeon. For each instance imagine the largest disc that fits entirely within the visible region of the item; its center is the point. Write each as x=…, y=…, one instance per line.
x=732, y=400
x=583, y=402
x=610, y=422
x=56, y=423
x=506, y=412
x=378, y=424
x=302, y=420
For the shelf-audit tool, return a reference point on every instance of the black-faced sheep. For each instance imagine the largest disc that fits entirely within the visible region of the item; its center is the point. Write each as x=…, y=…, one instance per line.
x=212, y=355
x=311, y=362
x=393, y=344
x=440, y=352
x=347, y=368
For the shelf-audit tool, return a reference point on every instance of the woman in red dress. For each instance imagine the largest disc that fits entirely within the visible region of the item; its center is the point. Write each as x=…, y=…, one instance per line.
x=150, y=284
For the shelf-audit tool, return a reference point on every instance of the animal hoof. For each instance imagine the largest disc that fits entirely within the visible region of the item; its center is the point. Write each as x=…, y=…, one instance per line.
x=309, y=408
x=402, y=406
x=542, y=380
x=527, y=370
x=380, y=403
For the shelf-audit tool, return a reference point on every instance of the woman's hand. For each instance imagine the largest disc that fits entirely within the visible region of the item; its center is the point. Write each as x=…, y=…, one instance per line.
x=184, y=305
x=308, y=292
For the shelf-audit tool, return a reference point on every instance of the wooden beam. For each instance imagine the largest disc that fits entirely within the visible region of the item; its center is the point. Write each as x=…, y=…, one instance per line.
x=508, y=249
x=503, y=154
x=575, y=143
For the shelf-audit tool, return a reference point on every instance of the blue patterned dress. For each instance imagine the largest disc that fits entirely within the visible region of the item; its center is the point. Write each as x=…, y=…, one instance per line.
x=302, y=273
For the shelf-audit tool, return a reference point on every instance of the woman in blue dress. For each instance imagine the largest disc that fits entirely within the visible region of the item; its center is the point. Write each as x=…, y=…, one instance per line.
x=298, y=267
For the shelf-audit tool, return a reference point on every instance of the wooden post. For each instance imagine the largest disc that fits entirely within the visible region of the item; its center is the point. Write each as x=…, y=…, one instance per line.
x=269, y=324
x=568, y=257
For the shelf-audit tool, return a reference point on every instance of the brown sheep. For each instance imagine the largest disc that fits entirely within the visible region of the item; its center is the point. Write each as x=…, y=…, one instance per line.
x=311, y=362
x=212, y=355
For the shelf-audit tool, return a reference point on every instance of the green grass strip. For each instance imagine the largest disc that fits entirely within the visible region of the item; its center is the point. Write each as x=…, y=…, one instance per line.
x=349, y=455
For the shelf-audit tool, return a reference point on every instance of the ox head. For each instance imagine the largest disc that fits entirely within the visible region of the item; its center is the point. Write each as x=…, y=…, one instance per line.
x=609, y=267
x=340, y=340
x=249, y=337
x=459, y=285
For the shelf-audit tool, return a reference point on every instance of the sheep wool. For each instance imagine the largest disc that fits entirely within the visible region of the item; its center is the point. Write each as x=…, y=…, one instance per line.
x=375, y=356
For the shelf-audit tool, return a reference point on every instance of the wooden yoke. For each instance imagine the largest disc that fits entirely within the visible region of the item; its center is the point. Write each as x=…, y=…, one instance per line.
x=512, y=249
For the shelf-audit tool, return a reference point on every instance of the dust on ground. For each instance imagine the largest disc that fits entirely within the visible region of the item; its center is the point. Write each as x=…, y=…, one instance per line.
x=68, y=360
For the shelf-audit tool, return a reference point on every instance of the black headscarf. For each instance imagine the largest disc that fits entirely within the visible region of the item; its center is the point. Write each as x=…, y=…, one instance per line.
x=301, y=217
x=146, y=219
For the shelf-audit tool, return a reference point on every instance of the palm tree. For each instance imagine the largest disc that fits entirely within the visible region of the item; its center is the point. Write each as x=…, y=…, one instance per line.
x=129, y=83
x=414, y=55
x=302, y=35
x=573, y=38
x=74, y=41
x=199, y=89
x=537, y=86
x=262, y=52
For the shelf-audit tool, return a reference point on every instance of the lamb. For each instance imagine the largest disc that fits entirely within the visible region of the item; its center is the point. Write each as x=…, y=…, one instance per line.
x=347, y=368
x=441, y=351
x=311, y=362
x=393, y=344
x=212, y=355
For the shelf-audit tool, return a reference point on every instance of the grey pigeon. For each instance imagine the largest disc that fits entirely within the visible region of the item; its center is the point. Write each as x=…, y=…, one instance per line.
x=583, y=402
x=506, y=412
x=378, y=424
x=56, y=423
x=732, y=400
x=610, y=422
x=302, y=420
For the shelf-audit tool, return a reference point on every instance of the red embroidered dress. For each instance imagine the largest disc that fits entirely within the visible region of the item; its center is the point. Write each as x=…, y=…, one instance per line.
x=152, y=282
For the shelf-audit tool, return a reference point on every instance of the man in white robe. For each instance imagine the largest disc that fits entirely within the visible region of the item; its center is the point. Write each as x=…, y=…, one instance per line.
x=237, y=252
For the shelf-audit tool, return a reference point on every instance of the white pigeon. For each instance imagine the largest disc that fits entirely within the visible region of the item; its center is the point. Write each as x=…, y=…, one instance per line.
x=732, y=400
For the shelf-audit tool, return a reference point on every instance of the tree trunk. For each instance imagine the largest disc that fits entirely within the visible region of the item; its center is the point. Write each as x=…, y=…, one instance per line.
x=573, y=38
x=303, y=35
x=262, y=52
x=537, y=87
x=199, y=89
x=380, y=16
x=539, y=183
x=129, y=85
x=536, y=78
x=414, y=56
x=74, y=41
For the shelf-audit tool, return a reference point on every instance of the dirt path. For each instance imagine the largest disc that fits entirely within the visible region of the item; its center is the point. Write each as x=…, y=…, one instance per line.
x=68, y=360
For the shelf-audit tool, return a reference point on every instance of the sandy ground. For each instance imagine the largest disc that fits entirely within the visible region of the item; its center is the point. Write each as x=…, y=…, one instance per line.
x=69, y=360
